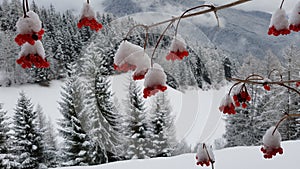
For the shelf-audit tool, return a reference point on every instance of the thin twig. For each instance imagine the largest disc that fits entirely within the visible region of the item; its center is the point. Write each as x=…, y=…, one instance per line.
x=281, y=4
x=201, y=12
x=135, y=26
x=24, y=9
x=284, y=118
x=196, y=7
x=209, y=158
x=269, y=76
x=88, y=1
x=160, y=38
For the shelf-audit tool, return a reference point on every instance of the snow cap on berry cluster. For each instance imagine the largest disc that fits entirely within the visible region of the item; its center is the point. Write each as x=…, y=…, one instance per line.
x=28, y=49
x=204, y=156
x=141, y=61
x=29, y=24
x=279, y=20
x=295, y=18
x=125, y=49
x=87, y=11
x=178, y=44
x=155, y=76
x=270, y=140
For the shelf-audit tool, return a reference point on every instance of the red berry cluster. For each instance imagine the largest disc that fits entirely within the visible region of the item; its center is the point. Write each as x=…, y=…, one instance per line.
x=242, y=98
x=297, y=84
x=149, y=91
x=177, y=55
x=269, y=152
x=33, y=59
x=275, y=32
x=90, y=22
x=228, y=109
x=295, y=28
x=30, y=38
x=124, y=67
x=206, y=162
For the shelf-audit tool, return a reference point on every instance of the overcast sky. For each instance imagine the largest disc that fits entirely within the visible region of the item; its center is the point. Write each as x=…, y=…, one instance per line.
x=262, y=5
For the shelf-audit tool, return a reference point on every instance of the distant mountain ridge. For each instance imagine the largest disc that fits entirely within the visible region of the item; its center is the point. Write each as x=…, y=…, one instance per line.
x=244, y=32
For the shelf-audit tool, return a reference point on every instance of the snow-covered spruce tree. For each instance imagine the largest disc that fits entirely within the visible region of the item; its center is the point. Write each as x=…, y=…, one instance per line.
x=26, y=140
x=103, y=127
x=4, y=128
x=48, y=139
x=162, y=129
x=135, y=125
x=76, y=141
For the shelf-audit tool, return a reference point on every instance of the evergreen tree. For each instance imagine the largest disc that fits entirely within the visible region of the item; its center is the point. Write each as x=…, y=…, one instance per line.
x=76, y=141
x=162, y=128
x=103, y=126
x=136, y=125
x=3, y=135
x=26, y=143
x=48, y=139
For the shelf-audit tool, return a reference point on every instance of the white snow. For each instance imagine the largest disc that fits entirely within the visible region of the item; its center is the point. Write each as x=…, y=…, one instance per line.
x=295, y=15
x=125, y=49
x=140, y=59
x=37, y=48
x=204, y=153
x=270, y=140
x=231, y=158
x=155, y=76
x=279, y=20
x=87, y=11
x=29, y=24
x=178, y=43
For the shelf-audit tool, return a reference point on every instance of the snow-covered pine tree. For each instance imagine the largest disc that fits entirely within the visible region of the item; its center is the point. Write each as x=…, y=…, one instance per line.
x=48, y=139
x=26, y=140
x=162, y=129
x=76, y=141
x=4, y=128
x=103, y=127
x=135, y=125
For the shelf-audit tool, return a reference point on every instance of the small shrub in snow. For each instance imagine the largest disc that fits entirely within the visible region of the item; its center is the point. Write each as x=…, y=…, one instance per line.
x=178, y=49
x=88, y=18
x=271, y=143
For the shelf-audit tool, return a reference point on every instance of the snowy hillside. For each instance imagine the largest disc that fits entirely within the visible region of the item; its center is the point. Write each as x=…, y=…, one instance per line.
x=197, y=115
x=231, y=158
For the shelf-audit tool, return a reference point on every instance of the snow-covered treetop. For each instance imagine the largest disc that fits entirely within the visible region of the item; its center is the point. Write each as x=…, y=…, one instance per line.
x=29, y=24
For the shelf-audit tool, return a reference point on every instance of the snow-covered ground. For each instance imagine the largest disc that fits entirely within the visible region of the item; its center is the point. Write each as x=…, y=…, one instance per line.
x=231, y=158
x=197, y=117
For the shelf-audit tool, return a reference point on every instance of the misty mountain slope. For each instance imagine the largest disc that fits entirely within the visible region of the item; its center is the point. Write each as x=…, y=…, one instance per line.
x=243, y=32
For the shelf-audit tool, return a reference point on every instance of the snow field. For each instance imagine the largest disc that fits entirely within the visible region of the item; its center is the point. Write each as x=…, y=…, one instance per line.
x=231, y=158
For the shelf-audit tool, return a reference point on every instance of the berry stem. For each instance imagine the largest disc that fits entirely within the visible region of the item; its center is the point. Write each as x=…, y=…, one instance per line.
x=282, y=2
x=24, y=8
x=269, y=76
x=212, y=162
x=88, y=1
x=160, y=38
x=284, y=118
x=196, y=7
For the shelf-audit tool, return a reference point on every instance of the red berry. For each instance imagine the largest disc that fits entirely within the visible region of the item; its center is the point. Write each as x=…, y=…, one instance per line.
x=267, y=87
